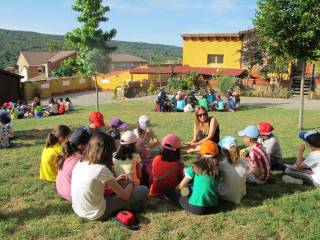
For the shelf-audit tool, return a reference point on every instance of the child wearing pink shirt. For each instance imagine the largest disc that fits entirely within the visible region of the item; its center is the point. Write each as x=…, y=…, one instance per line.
x=71, y=154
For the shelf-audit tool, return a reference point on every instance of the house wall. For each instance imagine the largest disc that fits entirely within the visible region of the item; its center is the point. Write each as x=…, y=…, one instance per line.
x=113, y=80
x=195, y=52
x=56, y=86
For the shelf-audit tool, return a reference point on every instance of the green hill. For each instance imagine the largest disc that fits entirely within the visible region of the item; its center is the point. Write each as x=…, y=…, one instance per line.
x=11, y=42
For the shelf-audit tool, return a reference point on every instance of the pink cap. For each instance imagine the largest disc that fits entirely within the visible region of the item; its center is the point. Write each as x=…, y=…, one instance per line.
x=171, y=141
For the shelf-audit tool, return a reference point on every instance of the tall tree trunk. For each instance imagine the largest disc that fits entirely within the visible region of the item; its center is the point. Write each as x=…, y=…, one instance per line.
x=303, y=74
x=97, y=92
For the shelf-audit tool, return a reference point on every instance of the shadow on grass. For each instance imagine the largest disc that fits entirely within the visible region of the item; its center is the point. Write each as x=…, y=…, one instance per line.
x=38, y=212
x=252, y=106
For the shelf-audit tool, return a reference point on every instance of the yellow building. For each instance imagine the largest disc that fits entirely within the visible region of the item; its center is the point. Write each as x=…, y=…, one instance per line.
x=212, y=50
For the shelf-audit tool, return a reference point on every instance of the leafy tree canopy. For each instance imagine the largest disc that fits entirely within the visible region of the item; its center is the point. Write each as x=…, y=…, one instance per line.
x=289, y=27
x=93, y=44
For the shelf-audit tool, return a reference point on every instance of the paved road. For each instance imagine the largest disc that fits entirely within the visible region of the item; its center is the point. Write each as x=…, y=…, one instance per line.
x=88, y=98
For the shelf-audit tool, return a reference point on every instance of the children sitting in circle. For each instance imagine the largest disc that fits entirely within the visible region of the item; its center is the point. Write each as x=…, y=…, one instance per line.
x=88, y=163
x=258, y=159
x=204, y=173
x=306, y=170
x=167, y=167
x=92, y=174
x=127, y=160
x=53, y=148
x=233, y=171
x=71, y=154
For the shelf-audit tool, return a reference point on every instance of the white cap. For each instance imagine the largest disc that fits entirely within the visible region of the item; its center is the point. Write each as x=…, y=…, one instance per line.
x=128, y=137
x=144, y=122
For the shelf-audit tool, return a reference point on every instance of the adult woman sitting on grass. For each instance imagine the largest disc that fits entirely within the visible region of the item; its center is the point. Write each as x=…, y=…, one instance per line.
x=205, y=128
x=70, y=156
x=90, y=177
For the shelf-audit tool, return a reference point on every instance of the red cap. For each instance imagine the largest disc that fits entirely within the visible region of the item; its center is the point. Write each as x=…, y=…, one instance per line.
x=265, y=128
x=97, y=119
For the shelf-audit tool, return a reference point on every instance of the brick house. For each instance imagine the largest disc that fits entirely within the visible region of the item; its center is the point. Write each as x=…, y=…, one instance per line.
x=34, y=65
x=120, y=61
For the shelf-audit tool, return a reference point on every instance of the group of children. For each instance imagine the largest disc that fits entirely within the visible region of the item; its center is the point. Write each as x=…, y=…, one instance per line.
x=211, y=101
x=102, y=172
x=55, y=107
x=11, y=111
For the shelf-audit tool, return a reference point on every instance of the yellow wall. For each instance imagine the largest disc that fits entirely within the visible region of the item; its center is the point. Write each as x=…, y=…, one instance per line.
x=113, y=80
x=140, y=76
x=48, y=88
x=195, y=53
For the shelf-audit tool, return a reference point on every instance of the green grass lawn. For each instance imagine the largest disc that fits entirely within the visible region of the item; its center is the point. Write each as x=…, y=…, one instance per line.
x=31, y=209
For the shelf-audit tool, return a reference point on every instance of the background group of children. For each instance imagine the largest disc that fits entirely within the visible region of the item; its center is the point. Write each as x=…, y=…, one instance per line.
x=211, y=101
x=102, y=173
x=10, y=111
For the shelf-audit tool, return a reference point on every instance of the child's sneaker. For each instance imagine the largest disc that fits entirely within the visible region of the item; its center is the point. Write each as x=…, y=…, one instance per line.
x=288, y=179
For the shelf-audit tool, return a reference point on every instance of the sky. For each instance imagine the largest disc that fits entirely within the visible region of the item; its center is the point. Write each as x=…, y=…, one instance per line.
x=151, y=21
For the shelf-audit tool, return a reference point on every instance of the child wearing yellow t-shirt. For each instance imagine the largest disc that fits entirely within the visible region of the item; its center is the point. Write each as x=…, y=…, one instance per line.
x=48, y=169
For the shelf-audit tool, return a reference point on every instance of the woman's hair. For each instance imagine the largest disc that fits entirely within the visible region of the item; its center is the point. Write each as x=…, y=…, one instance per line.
x=125, y=151
x=197, y=122
x=59, y=131
x=232, y=155
x=208, y=165
x=67, y=99
x=170, y=155
x=51, y=101
x=99, y=150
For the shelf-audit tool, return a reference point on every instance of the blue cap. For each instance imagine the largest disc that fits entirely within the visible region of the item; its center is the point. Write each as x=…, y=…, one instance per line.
x=304, y=134
x=227, y=142
x=250, y=131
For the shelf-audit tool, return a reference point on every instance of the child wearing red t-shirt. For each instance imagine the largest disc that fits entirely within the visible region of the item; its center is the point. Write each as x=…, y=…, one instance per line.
x=167, y=168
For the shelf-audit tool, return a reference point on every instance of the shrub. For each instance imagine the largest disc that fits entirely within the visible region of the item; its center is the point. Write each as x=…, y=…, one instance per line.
x=151, y=89
x=269, y=92
x=315, y=94
x=185, y=82
x=226, y=82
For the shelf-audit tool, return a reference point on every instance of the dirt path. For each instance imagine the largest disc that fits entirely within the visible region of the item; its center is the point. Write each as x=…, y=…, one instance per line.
x=88, y=98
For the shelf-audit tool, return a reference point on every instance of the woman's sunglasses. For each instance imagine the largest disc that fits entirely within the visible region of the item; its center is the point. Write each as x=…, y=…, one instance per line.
x=202, y=114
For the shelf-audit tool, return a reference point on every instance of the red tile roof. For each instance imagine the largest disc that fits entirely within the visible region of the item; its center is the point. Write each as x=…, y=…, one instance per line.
x=187, y=69
x=126, y=58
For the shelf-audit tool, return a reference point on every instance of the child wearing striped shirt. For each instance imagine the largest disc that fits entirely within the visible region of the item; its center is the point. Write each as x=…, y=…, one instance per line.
x=258, y=160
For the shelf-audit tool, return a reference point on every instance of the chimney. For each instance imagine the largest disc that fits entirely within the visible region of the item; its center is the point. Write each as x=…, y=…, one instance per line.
x=47, y=69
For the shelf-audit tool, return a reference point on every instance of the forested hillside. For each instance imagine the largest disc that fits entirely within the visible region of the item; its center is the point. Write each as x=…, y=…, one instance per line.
x=11, y=42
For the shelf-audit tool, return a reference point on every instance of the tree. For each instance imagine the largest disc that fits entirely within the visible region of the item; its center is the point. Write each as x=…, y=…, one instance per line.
x=67, y=69
x=251, y=53
x=290, y=27
x=277, y=66
x=54, y=46
x=93, y=44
